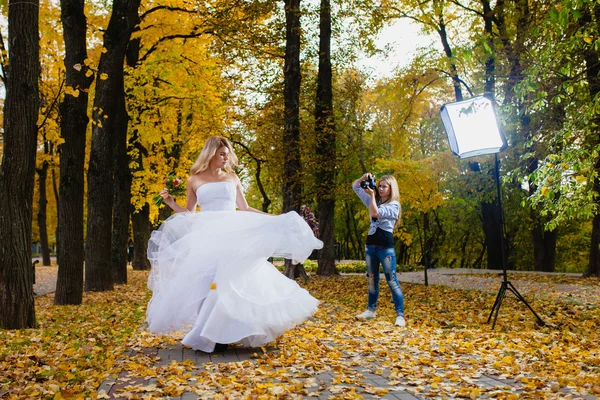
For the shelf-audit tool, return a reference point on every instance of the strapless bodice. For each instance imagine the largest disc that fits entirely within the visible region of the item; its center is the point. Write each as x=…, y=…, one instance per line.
x=216, y=196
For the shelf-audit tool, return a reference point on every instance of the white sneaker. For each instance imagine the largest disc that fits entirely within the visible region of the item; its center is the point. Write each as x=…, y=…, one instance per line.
x=366, y=315
x=400, y=321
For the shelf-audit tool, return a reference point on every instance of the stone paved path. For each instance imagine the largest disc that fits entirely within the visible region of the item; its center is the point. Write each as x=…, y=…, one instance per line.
x=321, y=386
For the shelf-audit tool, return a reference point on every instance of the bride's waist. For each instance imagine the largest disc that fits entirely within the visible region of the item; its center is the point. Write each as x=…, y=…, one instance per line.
x=218, y=206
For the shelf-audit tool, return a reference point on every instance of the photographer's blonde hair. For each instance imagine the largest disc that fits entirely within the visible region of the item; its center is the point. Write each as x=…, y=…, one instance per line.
x=210, y=148
x=394, y=193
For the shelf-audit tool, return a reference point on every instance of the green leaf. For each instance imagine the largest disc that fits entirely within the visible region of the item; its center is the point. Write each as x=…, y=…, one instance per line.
x=576, y=14
x=487, y=48
x=553, y=15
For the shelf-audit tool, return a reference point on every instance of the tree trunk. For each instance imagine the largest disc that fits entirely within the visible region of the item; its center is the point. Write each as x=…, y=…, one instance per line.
x=354, y=237
x=122, y=193
x=142, y=228
x=493, y=234
x=594, y=262
x=490, y=61
x=326, y=146
x=98, y=271
x=55, y=193
x=492, y=230
x=18, y=166
x=456, y=81
x=427, y=250
x=292, y=183
x=73, y=128
x=592, y=62
x=42, y=214
x=544, y=243
x=464, y=258
x=257, y=175
x=266, y=200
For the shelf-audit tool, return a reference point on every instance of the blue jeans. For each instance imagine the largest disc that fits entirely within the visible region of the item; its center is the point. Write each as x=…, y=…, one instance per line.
x=387, y=257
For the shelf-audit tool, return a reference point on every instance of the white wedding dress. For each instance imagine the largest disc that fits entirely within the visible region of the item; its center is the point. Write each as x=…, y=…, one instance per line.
x=210, y=278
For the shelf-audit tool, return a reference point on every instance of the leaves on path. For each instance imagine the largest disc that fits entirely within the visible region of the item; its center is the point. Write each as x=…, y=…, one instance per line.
x=445, y=351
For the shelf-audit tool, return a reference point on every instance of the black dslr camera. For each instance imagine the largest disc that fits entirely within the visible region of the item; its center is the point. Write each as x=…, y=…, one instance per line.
x=368, y=183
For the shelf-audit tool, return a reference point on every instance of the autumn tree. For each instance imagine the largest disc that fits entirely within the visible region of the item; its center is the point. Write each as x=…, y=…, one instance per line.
x=18, y=165
x=353, y=114
x=42, y=214
x=98, y=271
x=73, y=127
x=51, y=88
x=174, y=109
x=552, y=107
x=591, y=21
x=291, y=139
x=326, y=145
x=122, y=188
x=292, y=180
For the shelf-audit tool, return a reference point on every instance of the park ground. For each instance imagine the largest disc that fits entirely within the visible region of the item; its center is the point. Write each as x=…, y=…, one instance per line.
x=101, y=349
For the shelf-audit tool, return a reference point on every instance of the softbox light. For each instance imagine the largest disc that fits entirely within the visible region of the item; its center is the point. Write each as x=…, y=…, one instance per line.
x=472, y=127
x=473, y=130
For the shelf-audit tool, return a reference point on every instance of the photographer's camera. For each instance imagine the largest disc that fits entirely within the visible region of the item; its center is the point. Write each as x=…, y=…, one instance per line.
x=368, y=183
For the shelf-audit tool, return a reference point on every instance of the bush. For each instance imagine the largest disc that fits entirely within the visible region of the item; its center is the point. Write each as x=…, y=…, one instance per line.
x=356, y=267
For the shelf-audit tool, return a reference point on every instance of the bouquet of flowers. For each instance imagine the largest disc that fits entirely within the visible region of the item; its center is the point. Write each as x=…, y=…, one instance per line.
x=173, y=185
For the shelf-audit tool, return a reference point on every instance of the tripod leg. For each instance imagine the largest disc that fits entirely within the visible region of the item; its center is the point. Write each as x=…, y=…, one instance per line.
x=496, y=303
x=513, y=289
x=501, y=295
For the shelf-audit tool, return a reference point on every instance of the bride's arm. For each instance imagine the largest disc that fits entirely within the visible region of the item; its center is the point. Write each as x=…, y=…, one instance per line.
x=240, y=199
x=191, y=199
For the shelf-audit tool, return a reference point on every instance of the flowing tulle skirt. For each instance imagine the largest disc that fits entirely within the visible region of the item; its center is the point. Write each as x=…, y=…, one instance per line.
x=211, y=280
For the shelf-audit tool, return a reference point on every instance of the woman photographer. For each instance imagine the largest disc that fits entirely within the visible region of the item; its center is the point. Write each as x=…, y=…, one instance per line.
x=383, y=202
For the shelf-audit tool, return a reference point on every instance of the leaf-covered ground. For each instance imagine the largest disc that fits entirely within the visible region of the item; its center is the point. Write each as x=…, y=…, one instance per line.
x=444, y=351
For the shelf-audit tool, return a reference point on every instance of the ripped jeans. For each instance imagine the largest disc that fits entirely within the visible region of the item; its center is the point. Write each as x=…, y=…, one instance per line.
x=387, y=257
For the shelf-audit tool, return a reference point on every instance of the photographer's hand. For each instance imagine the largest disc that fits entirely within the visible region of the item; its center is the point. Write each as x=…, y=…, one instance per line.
x=363, y=178
x=373, y=209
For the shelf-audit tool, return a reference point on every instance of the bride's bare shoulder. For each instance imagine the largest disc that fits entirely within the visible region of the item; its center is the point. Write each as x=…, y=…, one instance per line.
x=194, y=181
x=232, y=176
x=194, y=178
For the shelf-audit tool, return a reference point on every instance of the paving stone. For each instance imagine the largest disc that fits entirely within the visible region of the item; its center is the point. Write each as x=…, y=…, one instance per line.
x=326, y=377
x=227, y=356
x=380, y=381
x=401, y=396
x=106, y=386
x=200, y=357
x=489, y=382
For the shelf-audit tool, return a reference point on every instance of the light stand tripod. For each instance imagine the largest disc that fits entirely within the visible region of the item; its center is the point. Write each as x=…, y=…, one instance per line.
x=473, y=130
x=506, y=284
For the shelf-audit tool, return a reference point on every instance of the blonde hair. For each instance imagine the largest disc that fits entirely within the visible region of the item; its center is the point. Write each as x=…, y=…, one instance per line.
x=394, y=194
x=209, y=150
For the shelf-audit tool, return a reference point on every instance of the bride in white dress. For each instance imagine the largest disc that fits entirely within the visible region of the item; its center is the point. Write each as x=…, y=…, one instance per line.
x=210, y=278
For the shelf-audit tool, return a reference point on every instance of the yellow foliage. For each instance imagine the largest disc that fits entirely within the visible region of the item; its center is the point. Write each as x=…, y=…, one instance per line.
x=175, y=102
x=71, y=91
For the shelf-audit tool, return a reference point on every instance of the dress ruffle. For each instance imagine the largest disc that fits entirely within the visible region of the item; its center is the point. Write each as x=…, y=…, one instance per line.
x=210, y=277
